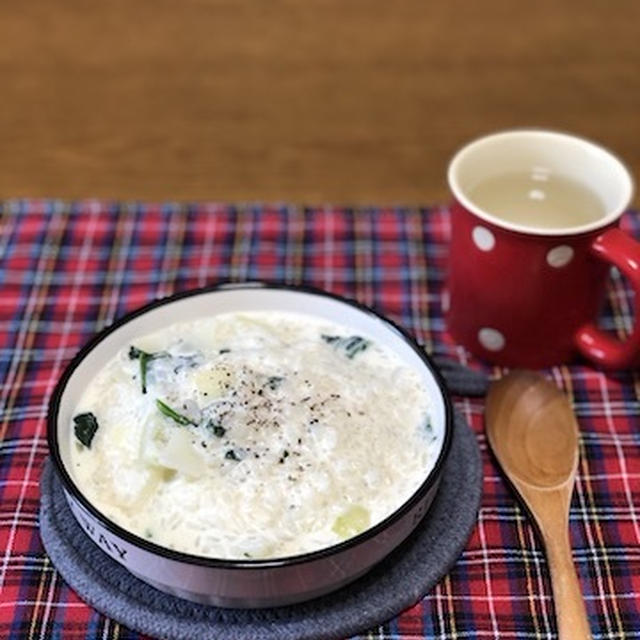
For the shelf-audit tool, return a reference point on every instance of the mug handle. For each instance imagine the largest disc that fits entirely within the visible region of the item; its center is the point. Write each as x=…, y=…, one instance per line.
x=623, y=251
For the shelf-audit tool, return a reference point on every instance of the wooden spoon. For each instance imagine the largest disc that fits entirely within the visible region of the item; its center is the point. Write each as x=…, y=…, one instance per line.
x=534, y=435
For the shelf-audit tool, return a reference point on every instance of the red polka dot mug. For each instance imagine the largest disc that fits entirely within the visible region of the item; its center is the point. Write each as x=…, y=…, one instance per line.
x=534, y=232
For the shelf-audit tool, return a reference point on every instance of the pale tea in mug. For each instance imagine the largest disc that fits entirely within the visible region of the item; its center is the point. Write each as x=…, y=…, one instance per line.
x=538, y=197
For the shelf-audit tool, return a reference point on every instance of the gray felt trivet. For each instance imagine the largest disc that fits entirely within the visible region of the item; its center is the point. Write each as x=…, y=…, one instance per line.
x=396, y=583
x=460, y=380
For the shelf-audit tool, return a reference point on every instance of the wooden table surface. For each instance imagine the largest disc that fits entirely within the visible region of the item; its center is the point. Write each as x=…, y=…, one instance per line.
x=309, y=101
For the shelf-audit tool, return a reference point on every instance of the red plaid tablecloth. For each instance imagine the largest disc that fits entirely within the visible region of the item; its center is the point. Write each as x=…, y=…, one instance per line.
x=66, y=271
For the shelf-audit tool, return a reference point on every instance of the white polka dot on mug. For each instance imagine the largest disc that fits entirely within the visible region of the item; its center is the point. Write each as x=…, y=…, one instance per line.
x=483, y=238
x=491, y=339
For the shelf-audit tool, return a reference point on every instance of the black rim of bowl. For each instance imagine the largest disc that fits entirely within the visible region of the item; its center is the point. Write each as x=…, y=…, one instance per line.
x=180, y=556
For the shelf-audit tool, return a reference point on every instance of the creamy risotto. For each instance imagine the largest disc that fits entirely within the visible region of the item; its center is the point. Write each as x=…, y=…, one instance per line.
x=252, y=435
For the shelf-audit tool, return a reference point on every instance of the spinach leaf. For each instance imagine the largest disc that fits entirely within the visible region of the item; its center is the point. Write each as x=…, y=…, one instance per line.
x=217, y=429
x=428, y=430
x=273, y=382
x=185, y=362
x=85, y=428
x=350, y=345
x=145, y=358
x=135, y=353
x=166, y=410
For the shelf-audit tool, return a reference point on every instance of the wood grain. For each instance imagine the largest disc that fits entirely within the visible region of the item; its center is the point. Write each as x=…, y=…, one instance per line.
x=534, y=435
x=323, y=100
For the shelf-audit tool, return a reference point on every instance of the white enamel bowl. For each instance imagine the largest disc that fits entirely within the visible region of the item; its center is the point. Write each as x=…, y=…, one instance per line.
x=245, y=583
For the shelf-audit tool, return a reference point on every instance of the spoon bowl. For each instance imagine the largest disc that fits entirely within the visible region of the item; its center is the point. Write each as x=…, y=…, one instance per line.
x=532, y=429
x=534, y=435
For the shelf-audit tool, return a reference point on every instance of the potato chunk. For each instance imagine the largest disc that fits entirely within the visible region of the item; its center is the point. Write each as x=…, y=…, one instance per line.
x=180, y=455
x=212, y=382
x=352, y=522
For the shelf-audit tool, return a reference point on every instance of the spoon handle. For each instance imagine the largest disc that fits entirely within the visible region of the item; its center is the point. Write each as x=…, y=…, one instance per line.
x=571, y=614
